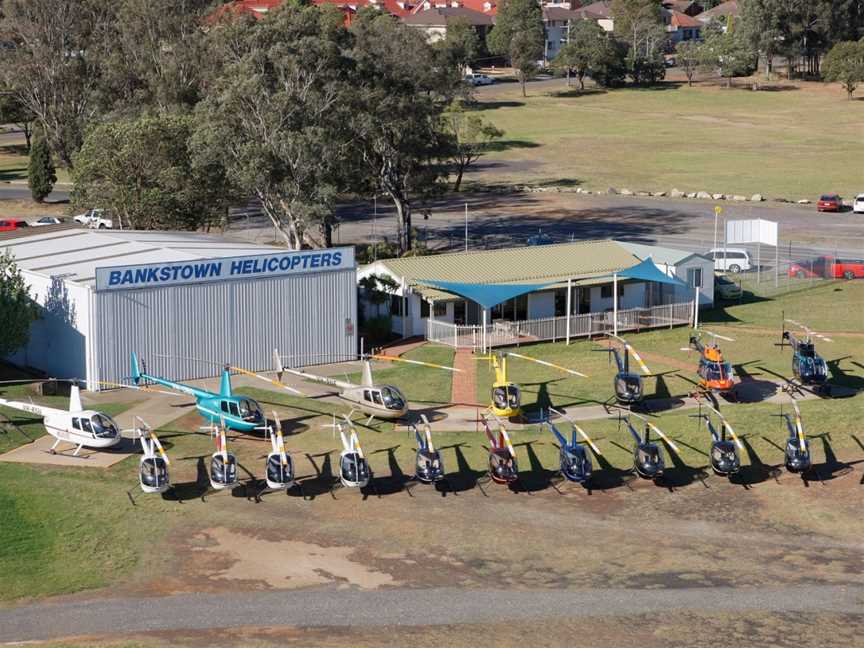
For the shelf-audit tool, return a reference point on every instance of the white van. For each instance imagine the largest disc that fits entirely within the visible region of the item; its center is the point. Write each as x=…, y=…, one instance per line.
x=732, y=260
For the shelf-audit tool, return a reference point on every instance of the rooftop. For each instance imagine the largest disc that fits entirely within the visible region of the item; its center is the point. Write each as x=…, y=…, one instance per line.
x=443, y=15
x=664, y=255
x=725, y=9
x=76, y=253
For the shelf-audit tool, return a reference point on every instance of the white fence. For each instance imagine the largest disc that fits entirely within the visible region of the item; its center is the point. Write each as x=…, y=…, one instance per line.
x=505, y=333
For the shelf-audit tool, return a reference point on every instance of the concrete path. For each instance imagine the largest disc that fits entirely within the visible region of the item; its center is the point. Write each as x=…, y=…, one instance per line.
x=400, y=607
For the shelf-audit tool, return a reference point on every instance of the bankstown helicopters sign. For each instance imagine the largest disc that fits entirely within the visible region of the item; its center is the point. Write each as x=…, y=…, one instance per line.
x=174, y=273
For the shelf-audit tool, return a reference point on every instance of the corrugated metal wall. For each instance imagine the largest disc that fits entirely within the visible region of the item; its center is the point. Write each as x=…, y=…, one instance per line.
x=239, y=322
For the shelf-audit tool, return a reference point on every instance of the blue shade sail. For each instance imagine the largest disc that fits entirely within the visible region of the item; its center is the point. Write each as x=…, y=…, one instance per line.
x=487, y=295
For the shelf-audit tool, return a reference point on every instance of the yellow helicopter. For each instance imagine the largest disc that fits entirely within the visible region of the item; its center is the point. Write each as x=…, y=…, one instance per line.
x=506, y=397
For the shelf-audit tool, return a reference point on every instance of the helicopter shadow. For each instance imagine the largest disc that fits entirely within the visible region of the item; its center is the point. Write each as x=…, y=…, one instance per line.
x=662, y=400
x=465, y=478
x=752, y=389
x=832, y=467
x=755, y=471
x=396, y=481
x=534, y=412
x=844, y=384
x=324, y=480
x=609, y=476
x=681, y=474
x=251, y=487
x=537, y=478
x=191, y=490
x=860, y=445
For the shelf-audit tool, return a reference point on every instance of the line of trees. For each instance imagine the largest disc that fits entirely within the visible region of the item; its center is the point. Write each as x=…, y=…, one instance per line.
x=166, y=116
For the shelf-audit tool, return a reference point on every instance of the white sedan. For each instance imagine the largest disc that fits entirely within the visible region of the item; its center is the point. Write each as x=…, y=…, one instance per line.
x=858, y=205
x=479, y=79
x=48, y=220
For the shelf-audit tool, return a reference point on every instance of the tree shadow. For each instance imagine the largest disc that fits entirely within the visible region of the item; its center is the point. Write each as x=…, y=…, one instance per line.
x=190, y=490
x=495, y=105
x=324, y=479
x=465, y=478
x=576, y=93
x=497, y=146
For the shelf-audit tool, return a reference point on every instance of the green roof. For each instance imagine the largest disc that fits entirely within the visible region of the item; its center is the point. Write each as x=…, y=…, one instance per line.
x=668, y=256
x=586, y=262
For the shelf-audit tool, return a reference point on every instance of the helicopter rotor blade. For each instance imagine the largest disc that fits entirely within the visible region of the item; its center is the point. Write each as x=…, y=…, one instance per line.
x=719, y=337
x=799, y=427
x=415, y=362
x=275, y=383
x=507, y=442
x=546, y=364
x=159, y=447
x=588, y=440
x=638, y=359
x=663, y=436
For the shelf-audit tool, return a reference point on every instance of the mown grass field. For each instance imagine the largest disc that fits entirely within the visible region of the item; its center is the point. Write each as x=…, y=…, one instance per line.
x=794, y=141
x=67, y=530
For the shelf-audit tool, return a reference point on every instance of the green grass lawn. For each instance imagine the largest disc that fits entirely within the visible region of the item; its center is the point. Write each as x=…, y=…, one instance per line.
x=420, y=384
x=794, y=143
x=67, y=530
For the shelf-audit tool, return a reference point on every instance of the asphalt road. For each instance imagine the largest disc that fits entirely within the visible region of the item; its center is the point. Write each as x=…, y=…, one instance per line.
x=400, y=607
x=496, y=220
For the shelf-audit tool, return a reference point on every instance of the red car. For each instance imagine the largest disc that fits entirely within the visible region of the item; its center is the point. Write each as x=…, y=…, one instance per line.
x=826, y=267
x=9, y=224
x=829, y=203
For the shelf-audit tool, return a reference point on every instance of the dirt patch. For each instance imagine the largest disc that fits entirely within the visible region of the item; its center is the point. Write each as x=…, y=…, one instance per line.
x=229, y=555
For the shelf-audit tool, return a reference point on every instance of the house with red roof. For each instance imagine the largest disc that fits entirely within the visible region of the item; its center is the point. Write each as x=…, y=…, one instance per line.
x=681, y=27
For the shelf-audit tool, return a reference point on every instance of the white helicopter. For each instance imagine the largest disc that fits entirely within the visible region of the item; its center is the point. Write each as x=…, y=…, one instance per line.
x=223, y=464
x=354, y=471
x=279, y=470
x=429, y=467
x=382, y=401
x=153, y=465
x=80, y=427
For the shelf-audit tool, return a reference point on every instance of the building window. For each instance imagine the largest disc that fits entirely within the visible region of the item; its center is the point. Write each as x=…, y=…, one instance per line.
x=561, y=301
x=694, y=277
x=424, y=309
x=395, y=305
x=606, y=291
x=440, y=309
x=522, y=308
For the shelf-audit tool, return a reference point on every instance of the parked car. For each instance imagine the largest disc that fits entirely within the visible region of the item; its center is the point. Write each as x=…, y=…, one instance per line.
x=828, y=267
x=829, y=203
x=478, y=79
x=10, y=224
x=540, y=239
x=858, y=205
x=48, y=220
x=725, y=288
x=95, y=218
x=732, y=260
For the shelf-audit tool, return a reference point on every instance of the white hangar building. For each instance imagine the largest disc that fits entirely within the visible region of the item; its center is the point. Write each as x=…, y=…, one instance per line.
x=180, y=298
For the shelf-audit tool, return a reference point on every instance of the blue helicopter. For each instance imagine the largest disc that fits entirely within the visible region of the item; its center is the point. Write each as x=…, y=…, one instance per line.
x=575, y=461
x=808, y=366
x=239, y=413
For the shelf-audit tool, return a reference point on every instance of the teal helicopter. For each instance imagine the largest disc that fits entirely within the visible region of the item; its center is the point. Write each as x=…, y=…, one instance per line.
x=239, y=413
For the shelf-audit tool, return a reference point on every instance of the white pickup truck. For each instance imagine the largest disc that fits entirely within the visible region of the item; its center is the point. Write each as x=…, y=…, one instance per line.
x=95, y=218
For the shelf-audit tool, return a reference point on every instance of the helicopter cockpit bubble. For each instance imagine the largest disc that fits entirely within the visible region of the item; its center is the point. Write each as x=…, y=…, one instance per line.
x=103, y=426
x=502, y=466
x=250, y=410
x=222, y=472
x=796, y=459
x=505, y=396
x=154, y=472
x=724, y=459
x=392, y=397
x=429, y=467
x=277, y=472
x=649, y=460
x=354, y=468
x=628, y=385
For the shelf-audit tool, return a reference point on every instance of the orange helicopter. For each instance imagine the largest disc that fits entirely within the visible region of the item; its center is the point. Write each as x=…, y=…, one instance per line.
x=715, y=373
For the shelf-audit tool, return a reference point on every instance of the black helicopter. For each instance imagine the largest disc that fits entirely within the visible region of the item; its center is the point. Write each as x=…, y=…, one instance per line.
x=647, y=457
x=797, y=451
x=279, y=469
x=627, y=384
x=429, y=467
x=723, y=454
x=808, y=366
x=503, y=467
x=574, y=459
